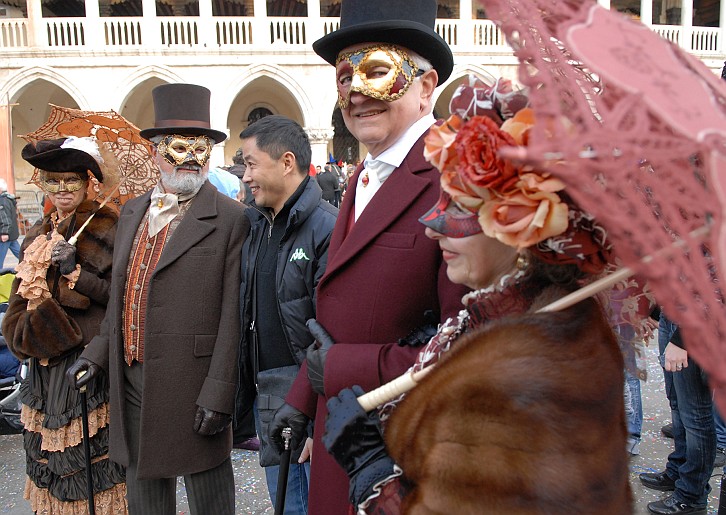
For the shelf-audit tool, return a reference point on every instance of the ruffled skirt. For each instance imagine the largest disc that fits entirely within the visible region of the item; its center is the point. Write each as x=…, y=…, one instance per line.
x=53, y=441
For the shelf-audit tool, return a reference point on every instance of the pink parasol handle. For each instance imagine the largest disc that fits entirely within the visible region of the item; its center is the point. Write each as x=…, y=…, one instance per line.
x=409, y=379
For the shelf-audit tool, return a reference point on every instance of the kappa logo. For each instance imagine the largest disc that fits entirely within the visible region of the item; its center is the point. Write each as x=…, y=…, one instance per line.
x=298, y=255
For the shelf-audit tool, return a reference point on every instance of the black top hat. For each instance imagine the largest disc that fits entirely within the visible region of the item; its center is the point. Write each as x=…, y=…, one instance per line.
x=182, y=109
x=47, y=155
x=408, y=23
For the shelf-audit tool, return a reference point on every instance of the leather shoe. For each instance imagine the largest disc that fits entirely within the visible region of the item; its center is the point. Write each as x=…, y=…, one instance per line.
x=667, y=430
x=670, y=506
x=250, y=444
x=720, y=458
x=657, y=481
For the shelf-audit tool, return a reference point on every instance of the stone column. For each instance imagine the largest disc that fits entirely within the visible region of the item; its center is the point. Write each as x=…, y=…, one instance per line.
x=36, y=25
x=92, y=26
x=687, y=24
x=646, y=12
x=207, y=32
x=150, y=31
x=319, y=139
x=313, y=26
x=260, y=24
x=466, y=16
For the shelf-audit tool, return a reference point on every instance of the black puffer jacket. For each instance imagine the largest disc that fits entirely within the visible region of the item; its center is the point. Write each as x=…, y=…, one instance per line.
x=9, y=216
x=307, y=234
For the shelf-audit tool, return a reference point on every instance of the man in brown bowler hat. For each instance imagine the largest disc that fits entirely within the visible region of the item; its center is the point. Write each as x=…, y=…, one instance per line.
x=171, y=332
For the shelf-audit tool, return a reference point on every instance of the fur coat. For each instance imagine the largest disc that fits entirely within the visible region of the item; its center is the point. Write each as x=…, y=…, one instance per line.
x=61, y=324
x=522, y=416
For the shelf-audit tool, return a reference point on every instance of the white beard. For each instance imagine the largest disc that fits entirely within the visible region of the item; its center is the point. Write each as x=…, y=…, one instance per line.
x=184, y=183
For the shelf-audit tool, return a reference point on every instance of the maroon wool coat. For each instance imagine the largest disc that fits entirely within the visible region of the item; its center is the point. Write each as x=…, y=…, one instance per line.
x=381, y=278
x=191, y=336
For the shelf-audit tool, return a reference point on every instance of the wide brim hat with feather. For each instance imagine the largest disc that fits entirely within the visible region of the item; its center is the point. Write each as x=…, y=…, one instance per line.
x=182, y=109
x=53, y=156
x=407, y=23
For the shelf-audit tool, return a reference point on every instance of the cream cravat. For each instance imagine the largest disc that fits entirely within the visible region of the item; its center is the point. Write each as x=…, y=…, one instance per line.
x=163, y=209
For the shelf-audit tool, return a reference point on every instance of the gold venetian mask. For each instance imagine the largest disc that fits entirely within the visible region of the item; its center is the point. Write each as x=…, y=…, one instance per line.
x=177, y=150
x=53, y=183
x=384, y=72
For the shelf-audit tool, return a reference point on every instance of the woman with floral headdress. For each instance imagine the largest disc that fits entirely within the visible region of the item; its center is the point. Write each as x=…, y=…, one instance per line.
x=57, y=303
x=523, y=412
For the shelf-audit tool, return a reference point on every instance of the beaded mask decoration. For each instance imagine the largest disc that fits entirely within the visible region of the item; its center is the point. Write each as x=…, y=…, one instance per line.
x=384, y=72
x=177, y=150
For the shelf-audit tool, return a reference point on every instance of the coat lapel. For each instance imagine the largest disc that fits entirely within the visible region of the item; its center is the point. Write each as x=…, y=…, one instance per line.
x=192, y=228
x=131, y=217
x=399, y=191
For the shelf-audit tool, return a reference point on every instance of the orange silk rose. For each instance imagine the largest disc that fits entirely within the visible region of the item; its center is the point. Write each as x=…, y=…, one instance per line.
x=524, y=217
x=519, y=125
x=438, y=143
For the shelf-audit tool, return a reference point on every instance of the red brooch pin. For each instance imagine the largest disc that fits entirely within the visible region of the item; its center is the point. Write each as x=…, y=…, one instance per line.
x=364, y=180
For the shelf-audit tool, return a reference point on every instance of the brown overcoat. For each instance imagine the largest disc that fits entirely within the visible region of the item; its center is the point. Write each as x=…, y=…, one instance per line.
x=191, y=336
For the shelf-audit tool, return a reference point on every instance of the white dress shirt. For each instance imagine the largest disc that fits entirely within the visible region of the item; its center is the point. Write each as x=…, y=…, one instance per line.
x=376, y=171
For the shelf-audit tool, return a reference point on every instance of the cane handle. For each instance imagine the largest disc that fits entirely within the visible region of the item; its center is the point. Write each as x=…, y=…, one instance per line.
x=287, y=436
x=79, y=375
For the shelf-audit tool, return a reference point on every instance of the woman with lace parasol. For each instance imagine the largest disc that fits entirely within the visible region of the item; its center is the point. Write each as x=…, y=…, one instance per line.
x=523, y=412
x=56, y=306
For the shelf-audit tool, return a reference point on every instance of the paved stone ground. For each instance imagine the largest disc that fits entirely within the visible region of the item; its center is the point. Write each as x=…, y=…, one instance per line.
x=252, y=495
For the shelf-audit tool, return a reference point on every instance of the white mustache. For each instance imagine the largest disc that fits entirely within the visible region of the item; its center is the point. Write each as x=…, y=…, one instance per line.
x=188, y=165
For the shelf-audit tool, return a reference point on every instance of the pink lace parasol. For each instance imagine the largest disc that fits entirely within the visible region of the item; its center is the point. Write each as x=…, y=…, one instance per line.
x=640, y=126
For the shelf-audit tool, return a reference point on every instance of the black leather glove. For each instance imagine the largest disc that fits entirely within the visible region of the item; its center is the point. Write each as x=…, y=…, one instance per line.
x=63, y=256
x=354, y=438
x=316, y=355
x=82, y=365
x=422, y=334
x=208, y=422
x=296, y=420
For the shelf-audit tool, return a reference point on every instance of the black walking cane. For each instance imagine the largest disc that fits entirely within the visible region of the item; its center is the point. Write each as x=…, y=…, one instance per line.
x=284, y=469
x=86, y=446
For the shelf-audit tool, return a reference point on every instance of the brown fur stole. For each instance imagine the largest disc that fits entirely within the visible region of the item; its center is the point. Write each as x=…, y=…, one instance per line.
x=49, y=331
x=524, y=416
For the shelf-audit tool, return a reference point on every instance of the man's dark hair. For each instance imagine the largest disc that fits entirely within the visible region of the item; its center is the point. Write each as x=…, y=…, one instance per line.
x=277, y=134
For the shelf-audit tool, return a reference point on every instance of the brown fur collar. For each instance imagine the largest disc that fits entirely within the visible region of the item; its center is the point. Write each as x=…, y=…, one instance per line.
x=523, y=416
x=94, y=247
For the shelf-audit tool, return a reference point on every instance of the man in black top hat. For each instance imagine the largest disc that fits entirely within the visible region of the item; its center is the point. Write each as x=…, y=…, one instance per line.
x=170, y=337
x=383, y=274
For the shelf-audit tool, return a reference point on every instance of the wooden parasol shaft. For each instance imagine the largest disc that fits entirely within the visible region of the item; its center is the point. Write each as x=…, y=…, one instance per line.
x=74, y=238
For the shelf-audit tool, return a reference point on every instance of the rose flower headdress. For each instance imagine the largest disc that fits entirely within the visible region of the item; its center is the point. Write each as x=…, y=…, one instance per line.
x=482, y=190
